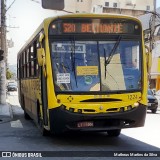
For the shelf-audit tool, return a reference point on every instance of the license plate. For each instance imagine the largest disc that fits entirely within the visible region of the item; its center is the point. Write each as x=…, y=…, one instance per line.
x=84, y=124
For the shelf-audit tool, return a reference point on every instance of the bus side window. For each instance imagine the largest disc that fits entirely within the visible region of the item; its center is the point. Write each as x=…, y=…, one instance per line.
x=32, y=60
x=27, y=62
x=35, y=59
x=37, y=45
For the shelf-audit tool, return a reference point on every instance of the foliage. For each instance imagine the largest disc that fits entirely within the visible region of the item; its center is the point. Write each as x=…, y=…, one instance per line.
x=9, y=74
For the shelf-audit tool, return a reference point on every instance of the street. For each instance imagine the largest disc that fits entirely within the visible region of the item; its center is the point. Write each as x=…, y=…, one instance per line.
x=23, y=135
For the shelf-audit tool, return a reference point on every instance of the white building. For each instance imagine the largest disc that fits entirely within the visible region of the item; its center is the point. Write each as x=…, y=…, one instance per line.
x=155, y=69
x=129, y=7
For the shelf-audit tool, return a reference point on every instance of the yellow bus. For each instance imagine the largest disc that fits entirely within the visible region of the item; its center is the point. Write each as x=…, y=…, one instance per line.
x=84, y=72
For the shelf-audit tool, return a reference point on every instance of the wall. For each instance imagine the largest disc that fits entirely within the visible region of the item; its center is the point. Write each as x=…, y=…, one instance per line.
x=127, y=5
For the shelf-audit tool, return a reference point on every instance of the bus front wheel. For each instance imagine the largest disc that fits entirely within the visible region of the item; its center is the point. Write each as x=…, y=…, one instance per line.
x=26, y=116
x=44, y=132
x=114, y=133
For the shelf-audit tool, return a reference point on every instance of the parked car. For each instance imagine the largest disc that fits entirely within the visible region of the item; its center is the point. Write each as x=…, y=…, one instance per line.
x=12, y=82
x=157, y=95
x=152, y=101
x=12, y=87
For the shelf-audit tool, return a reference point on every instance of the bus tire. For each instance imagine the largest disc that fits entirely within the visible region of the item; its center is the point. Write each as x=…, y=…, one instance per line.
x=114, y=133
x=22, y=102
x=26, y=116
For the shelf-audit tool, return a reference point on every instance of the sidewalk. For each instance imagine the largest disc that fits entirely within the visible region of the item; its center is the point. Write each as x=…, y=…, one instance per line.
x=5, y=113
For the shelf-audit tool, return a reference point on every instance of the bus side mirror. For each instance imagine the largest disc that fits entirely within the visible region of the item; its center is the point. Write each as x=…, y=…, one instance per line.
x=42, y=60
x=148, y=58
x=41, y=56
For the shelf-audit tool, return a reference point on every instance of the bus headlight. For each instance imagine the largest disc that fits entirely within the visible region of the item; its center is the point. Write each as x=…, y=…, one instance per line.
x=63, y=107
x=79, y=111
x=121, y=109
x=71, y=109
x=129, y=107
x=136, y=104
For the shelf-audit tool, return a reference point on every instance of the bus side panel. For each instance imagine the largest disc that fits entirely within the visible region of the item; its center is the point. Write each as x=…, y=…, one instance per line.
x=30, y=94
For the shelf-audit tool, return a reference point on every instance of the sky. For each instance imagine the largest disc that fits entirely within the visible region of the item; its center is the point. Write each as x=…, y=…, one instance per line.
x=23, y=18
x=158, y=3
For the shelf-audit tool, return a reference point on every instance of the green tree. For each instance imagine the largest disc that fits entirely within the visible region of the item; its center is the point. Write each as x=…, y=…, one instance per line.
x=9, y=74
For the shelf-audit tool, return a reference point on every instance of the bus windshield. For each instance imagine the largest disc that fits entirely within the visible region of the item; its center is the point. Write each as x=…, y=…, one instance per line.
x=96, y=65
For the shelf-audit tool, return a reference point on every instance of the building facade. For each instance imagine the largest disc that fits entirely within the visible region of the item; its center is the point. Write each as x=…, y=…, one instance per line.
x=129, y=7
x=135, y=8
x=155, y=45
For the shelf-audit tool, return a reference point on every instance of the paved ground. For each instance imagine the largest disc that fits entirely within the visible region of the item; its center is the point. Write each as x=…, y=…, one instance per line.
x=5, y=113
x=22, y=135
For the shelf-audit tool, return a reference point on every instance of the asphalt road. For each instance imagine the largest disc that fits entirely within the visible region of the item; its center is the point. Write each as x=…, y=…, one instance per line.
x=22, y=135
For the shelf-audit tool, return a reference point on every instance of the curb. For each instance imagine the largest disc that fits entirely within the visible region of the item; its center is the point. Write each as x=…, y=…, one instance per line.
x=8, y=115
x=10, y=110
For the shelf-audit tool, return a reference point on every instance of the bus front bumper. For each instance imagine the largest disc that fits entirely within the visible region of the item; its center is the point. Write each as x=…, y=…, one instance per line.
x=62, y=120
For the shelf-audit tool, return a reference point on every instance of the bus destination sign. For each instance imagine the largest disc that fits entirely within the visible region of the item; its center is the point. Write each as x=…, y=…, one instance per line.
x=110, y=28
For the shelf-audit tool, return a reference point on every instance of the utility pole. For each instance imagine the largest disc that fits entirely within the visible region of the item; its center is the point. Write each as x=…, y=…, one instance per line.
x=3, y=47
x=152, y=26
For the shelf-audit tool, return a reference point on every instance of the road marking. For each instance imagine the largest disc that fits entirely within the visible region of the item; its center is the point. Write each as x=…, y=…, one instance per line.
x=16, y=124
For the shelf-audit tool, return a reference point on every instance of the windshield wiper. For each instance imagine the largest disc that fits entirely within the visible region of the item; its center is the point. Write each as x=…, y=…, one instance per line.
x=111, y=53
x=73, y=59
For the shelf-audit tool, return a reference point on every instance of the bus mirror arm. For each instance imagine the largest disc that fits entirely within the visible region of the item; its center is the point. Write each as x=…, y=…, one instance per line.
x=148, y=58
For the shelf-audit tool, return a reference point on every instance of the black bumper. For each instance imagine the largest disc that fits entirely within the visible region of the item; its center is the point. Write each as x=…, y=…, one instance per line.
x=62, y=120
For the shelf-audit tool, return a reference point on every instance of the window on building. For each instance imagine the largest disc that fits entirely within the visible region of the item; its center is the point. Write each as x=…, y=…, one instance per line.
x=115, y=5
x=107, y=4
x=129, y=2
x=94, y=10
x=148, y=8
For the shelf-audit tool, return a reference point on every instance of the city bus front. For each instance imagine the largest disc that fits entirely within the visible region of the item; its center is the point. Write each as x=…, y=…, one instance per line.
x=98, y=76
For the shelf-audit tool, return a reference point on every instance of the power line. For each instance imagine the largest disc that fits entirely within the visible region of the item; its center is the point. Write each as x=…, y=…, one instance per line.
x=35, y=1
x=10, y=5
